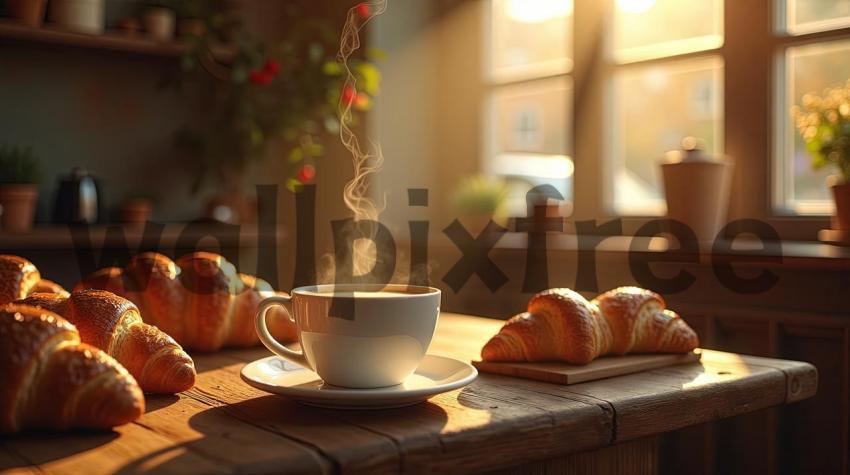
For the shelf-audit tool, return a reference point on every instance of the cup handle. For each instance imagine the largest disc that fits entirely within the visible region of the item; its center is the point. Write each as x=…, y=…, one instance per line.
x=296, y=357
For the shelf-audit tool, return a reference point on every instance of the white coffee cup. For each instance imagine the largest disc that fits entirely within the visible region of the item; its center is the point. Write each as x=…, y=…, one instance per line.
x=357, y=336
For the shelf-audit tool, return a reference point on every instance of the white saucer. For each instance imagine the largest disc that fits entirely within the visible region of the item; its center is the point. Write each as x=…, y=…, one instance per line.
x=435, y=375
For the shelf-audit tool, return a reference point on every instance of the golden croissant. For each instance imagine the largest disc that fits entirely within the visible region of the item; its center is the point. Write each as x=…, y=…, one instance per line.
x=52, y=381
x=561, y=325
x=200, y=300
x=113, y=324
x=19, y=278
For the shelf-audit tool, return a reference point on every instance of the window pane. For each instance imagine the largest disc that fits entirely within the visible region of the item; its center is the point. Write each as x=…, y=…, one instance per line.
x=530, y=139
x=530, y=38
x=806, y=16
x=654, y=107
x=658, y=28
x=809, y=69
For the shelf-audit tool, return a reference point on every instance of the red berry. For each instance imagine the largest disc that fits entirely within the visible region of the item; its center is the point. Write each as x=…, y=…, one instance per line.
x=272, y=66
x=362, y=101
x=348, y=95
x=307, y=173
x=260, y=78
x=363, y=10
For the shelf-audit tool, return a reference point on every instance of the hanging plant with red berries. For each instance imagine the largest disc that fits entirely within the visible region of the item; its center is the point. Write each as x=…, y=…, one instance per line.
x=285, y=92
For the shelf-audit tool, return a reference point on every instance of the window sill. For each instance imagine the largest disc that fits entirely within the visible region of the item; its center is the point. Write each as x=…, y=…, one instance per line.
x=802, y=254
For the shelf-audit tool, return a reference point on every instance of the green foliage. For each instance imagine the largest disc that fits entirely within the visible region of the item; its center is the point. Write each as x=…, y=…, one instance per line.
x=824, y=124
x=18, y=165
x=479, y=196
x=242, y=107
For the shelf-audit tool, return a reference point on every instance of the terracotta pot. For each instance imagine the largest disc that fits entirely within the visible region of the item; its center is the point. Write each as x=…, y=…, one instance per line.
x=135, y=213
x=18, y=202
x=129, y=27
x=28, y=12
x=189, y=27
x=841, y=194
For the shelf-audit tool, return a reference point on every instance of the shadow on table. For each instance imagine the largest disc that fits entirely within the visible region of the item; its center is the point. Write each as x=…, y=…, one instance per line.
x=266, y=433
x=284, y=416
x=423, y=419
x=160, y=460
x=155, y=402
x=59, y=446
x=211, y=361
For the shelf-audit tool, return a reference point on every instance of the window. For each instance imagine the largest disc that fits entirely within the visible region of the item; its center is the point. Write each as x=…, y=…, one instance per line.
x=808, y=16
x=646, y=74
x=530, y=99
x=806, y=66
x=657, y=97
x=646, y=29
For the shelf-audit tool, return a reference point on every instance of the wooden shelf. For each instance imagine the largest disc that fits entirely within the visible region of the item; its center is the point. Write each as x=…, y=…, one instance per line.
x=115, y=235
x=107, y=42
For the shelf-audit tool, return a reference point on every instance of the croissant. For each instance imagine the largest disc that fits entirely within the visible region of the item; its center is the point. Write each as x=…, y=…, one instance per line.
x=113, y=324
x=560, y=324
x=19, y=278
x=52, y=381
x=200, y=300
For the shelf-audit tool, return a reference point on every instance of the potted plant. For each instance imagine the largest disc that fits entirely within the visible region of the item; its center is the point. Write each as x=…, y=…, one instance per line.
x=478, y=199
x=135, y=212
x=824, y=123
x=19, y=175
x=190, y=18
x=28, y=12
x=286, y=92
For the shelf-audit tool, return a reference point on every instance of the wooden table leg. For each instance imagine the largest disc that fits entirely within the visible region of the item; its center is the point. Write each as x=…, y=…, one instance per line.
x=639, y=457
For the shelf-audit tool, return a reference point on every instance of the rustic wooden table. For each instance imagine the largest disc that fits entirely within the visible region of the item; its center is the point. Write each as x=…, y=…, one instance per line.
x=497, y=422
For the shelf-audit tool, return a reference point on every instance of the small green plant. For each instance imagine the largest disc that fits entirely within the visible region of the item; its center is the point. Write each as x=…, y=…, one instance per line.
x=479, y=196
x=824, y=123
x=18, y=165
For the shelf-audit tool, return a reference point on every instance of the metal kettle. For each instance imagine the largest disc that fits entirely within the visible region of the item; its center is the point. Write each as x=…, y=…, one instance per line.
x=78, y=199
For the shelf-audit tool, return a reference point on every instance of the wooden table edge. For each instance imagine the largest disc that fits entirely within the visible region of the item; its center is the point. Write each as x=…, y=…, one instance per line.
x=800, y=382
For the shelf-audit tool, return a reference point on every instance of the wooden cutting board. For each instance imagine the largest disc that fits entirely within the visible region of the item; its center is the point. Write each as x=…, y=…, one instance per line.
x=605, y=367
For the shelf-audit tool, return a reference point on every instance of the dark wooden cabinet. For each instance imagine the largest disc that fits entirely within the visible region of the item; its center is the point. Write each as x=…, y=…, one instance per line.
x=813, y=433
x=807, y=437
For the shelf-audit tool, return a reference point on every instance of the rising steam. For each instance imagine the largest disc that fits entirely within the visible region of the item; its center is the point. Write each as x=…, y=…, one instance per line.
x=356, y=191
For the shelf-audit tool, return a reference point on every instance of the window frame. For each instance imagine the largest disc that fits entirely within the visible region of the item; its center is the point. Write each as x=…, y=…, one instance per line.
x=782, y=40
x=751, y=44
x=754, y=42
x=494, y=81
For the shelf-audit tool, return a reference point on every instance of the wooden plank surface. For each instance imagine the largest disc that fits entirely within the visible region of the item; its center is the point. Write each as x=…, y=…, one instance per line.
x=213, y=434
x=223, y=425
x=129, y=448
x=601, y=368
x=343, y=445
